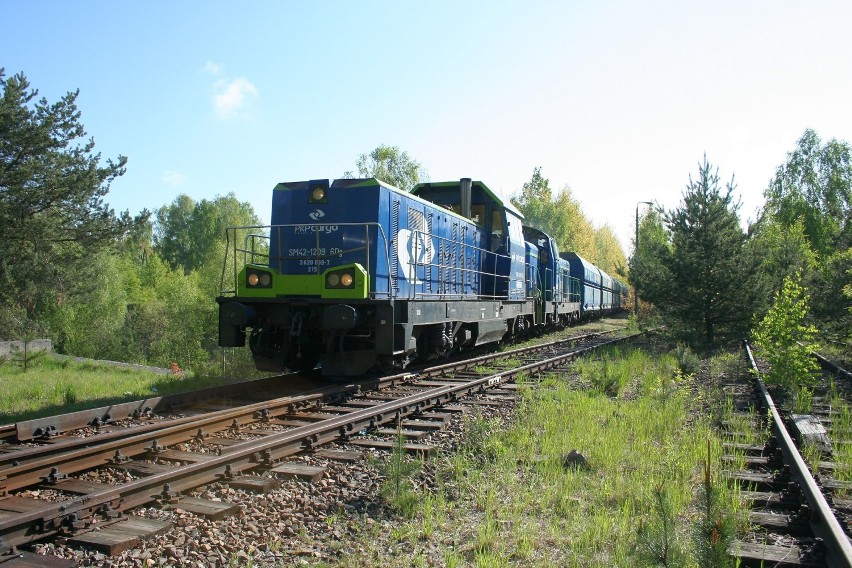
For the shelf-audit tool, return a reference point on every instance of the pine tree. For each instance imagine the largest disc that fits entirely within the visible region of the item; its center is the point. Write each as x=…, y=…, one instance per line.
x=703, y=283
x=52, y=211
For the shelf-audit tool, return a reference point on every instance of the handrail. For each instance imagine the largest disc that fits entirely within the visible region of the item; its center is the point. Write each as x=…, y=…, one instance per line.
x=450, y=256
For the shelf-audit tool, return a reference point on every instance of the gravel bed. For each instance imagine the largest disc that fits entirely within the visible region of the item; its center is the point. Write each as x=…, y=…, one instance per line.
x=89, y=431
x=300, y=523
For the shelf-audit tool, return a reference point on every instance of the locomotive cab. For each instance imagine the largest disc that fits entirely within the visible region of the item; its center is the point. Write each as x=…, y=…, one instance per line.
x=503, y=275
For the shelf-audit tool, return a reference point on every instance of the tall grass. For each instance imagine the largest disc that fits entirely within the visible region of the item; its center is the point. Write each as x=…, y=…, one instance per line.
x=52, y=386
x=511, y=496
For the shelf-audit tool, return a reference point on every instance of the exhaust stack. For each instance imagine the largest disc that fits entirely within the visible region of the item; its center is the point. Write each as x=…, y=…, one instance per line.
x=465, y=186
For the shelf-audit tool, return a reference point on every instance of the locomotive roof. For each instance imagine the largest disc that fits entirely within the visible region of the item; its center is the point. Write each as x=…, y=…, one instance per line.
x=338, y=183
x=476, y=183
x=367, y=182
x=363, y=182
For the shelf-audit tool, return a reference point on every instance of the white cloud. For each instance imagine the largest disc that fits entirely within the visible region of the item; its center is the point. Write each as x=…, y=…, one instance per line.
x=174, y=179
x=231, y=95
x=212, y=68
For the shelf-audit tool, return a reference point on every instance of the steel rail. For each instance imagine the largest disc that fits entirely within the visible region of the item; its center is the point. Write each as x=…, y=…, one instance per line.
x=832, y=366
x=60, y=423
x=38, y=466
x=823, y=522
x=31, y=458
x=48, y=521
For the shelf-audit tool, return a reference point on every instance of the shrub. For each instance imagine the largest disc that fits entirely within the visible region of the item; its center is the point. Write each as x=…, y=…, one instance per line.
x=786, y=340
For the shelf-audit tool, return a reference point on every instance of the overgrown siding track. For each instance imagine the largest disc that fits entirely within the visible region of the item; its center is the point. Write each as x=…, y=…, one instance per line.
x=795, y=523
x=49, y=493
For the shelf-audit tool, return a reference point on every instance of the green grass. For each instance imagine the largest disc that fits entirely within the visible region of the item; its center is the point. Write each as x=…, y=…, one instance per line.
x=52, y=386
x=840, y=429
x=507, y=496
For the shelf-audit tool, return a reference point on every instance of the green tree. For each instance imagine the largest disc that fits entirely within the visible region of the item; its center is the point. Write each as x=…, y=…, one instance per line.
x=647, y=271
x=815, y=185
x=573, y=230
x=391, y=165
x=831, y=307
x=52, y=209
x=813, y=188
x=190, y=234
x=560, y=217
x=703, y=288
x=92, y=323
x=779, y=252
x=536, y=202
x=609, y=255
x=786, y=340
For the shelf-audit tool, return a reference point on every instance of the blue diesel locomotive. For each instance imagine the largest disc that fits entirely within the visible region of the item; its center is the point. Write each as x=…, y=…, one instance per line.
x=358, y=274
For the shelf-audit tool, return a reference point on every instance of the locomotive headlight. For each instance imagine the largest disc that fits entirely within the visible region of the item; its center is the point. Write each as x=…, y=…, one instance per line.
x=258, y=278
x=344, y=278
x=318, y=194
x=350, y=281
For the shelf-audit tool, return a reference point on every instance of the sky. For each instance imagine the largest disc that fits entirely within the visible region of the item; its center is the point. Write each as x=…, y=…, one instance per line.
x=617, y=100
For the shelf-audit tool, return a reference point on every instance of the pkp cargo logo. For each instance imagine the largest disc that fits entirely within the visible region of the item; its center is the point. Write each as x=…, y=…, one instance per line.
x=413, y=249
x=316, y=215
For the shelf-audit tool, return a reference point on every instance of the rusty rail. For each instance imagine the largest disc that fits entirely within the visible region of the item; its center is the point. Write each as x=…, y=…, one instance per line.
x=234, y=460
x=823, y=521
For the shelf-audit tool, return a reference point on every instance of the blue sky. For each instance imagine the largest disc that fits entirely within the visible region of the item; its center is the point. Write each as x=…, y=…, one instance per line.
x=617, y=100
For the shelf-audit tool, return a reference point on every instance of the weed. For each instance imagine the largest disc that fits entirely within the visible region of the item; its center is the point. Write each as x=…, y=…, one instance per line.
x=452, y=559
x=656, y=536
x=714, y=530
x=398, y=489
x=487, y=535
x=687, y=360
x=804, y=400
x=69, y=395
x=811, y=455
x=508, y=497
x=432, y=514
x=54, y=386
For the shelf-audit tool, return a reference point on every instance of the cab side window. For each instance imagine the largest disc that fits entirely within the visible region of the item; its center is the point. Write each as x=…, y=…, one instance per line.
x=498, y=235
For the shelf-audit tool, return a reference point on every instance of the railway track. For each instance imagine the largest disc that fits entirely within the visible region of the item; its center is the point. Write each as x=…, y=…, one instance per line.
x=795, y=524
x=247, y=446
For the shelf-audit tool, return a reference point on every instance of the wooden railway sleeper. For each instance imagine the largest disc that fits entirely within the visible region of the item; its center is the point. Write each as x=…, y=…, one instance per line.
x=141, y=490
